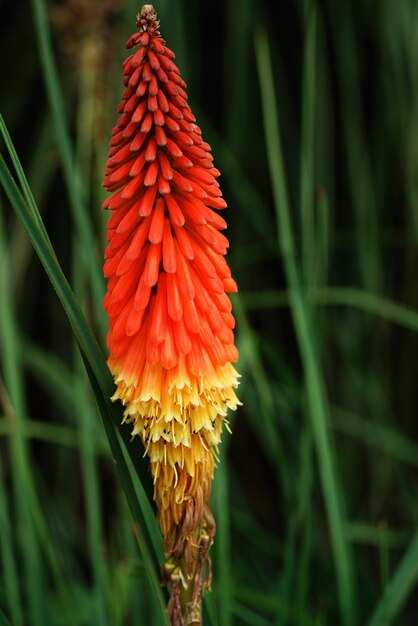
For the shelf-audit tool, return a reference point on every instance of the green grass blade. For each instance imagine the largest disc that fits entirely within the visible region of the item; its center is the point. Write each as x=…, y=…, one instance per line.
x=147, y=510
x=75, y=191
x=339, y=296
x=13, y=402
x=27, y=192
x=370, y=303
x=377, y=535
x=314, y=384
x=375, y=435
x=50, y=433
x=398, y=589
x=145, y=545
x=222, y=543
x=363, y=190
x=8, y=559
x=308, y=144
x=88, y=462
x=99, y=374
x=322, y=236
x=92, y=498
x=85, y=337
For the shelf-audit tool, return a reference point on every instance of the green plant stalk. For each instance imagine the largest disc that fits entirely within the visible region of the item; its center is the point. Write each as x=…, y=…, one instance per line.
x=83, y=332
x=370, y=303
x=148, y=511
x=17, y=430
x=93, y=504
x=307, y=145
x=222, y=542
x=398, y=589
x=85, y=118
x=88, y=463
x=297, y=550
x=140, y=527
x=322, y=238
x=21, y=476
x=360, y=162
x=99, y=373
x=72, y=176
x=49, y=433
x=383, y=438
x=10, y=568
x=305, y=519
x=27, y=192
x=288, y=581
x=315, y=390
x=339, y=296
x=371, y=535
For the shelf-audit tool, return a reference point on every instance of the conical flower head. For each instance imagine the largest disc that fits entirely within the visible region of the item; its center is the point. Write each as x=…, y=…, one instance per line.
x=171, y=336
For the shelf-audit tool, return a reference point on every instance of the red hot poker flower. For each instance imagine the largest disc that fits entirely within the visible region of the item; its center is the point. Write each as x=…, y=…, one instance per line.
x=171, y=336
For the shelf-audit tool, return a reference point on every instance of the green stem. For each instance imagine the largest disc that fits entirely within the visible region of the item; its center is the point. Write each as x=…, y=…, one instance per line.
x=301, y=314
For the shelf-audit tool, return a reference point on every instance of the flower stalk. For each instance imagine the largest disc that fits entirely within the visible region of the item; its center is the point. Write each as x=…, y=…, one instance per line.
x=171, y=339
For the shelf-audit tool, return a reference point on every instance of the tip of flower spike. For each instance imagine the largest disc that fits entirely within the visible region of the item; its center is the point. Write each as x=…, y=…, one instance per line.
x=147, y=18
x=148, y=25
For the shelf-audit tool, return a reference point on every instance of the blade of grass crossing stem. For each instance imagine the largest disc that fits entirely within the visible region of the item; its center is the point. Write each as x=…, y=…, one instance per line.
x=76, y=194
x=147, y=510
x=49, y=433
x=223, y=543
x=88, y=461
x=8, y=559
x=398, y=589
x=98, y=370
x=339, y=296
x=151, y=566
x=82, y=330
x=307, y=145
x=371, y=535
x=27, y=540
x=315, y=391
x=383, y=438
x=371, y=303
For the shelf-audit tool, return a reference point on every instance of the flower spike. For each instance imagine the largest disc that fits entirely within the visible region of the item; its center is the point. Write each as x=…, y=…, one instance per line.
x=170, y=335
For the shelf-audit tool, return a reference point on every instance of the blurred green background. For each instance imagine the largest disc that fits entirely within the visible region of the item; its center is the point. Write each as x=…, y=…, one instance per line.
x=311, y=109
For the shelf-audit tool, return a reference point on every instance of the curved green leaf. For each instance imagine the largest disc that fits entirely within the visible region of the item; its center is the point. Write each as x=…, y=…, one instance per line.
x=100, y=378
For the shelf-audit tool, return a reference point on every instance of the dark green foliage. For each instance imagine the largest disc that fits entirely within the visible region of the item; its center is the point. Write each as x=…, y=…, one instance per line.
x=311, y=111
